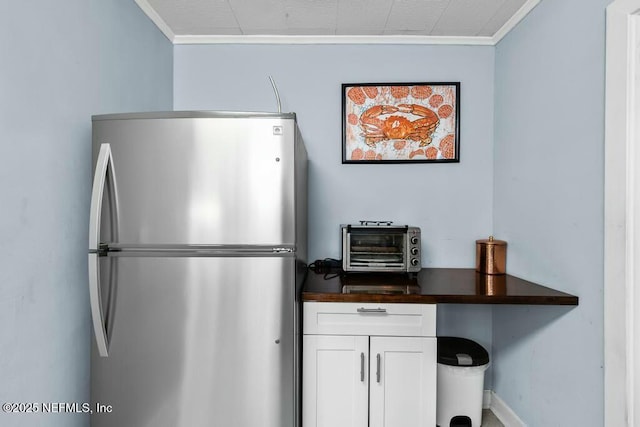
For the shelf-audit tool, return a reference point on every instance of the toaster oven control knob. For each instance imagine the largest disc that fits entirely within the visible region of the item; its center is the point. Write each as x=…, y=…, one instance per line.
x=414, y=261
x=414, y=240
x=414, y=251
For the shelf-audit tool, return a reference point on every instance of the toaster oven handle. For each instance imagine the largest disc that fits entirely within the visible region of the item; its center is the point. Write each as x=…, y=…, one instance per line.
x=375, y=227
x=378, y=223
x=372, y=310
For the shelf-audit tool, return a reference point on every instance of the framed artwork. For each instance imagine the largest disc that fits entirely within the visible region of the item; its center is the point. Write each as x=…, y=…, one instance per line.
x=401, y=122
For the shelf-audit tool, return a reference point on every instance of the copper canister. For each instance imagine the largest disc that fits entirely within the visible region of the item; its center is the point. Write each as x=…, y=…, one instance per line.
x=491, y=256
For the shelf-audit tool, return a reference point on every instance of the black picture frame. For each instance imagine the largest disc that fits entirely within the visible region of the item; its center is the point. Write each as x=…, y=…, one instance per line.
x=416, y=122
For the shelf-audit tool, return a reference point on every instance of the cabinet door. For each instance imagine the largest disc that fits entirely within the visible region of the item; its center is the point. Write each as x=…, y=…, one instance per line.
x=335, y=381
x=403, y=382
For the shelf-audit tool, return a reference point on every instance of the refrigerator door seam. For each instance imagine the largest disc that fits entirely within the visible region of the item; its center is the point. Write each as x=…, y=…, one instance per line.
x=175, y=252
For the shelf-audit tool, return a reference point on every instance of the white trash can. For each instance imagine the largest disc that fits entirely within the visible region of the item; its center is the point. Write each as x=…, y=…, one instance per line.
x=461, y=367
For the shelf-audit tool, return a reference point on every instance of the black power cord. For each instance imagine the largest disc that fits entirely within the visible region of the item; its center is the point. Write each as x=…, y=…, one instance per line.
x=330, y=267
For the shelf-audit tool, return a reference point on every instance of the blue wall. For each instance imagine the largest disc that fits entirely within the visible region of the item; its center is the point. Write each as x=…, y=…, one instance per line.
x=450, y=202
x=60, y=62
x=539, y=185
x=548, y=203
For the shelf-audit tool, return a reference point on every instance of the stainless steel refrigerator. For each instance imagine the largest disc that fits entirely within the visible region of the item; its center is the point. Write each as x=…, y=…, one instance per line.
x=197, y=250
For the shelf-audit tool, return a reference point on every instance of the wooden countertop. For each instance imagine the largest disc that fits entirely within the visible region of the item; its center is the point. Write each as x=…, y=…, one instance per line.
x=431, y=285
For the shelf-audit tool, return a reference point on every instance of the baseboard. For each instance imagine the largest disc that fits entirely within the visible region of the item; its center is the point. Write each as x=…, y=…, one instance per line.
x=490, y=400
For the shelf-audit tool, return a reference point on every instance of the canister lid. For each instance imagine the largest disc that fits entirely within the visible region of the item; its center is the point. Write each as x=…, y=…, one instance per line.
x=492, y=241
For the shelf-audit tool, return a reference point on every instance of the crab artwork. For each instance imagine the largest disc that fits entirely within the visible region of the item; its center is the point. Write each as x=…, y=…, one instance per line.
x=413, y=122
x=376, y=127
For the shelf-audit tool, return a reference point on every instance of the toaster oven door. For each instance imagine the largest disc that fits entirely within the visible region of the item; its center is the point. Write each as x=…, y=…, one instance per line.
x=373, y=249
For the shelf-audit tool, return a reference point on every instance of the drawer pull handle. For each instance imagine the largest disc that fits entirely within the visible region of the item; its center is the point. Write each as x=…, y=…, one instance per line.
x=372, y=310
x=362, y=367
x=378, y=368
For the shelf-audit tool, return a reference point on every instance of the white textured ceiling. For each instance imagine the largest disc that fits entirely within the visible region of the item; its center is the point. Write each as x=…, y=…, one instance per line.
x=379, y=18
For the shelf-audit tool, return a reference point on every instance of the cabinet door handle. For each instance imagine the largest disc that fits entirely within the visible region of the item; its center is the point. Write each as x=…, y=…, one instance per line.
x=362, y=367
x=372, y=310
x=378, y=367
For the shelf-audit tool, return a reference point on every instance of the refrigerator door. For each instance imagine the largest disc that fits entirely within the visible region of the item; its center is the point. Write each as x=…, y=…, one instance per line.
x=220, y=180
x=198, y=342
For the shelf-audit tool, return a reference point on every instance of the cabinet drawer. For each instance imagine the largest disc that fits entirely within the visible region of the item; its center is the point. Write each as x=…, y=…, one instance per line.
x=341, y=318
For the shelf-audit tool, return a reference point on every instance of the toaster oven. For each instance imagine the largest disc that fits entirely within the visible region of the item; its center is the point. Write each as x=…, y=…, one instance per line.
x=381, y=246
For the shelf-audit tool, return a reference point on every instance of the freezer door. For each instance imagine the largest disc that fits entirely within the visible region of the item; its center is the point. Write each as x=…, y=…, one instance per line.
x=199, y=342
x=201, y=181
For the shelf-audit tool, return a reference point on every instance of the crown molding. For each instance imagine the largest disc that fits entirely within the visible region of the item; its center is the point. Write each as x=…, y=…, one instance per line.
x=282, y=39
x=514, y=20
x=187, y=39
x=156, y=19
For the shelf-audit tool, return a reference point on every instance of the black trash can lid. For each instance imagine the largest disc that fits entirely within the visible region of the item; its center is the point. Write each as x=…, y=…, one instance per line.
x=455, y=351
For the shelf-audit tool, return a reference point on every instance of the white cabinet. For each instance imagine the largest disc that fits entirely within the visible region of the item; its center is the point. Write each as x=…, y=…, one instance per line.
x=403, y=377
x=369, y=365
x=335, y=381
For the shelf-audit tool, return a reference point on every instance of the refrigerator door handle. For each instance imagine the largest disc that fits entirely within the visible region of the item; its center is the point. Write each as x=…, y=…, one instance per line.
x=104, y=165
x=96, y=305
